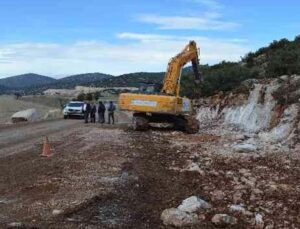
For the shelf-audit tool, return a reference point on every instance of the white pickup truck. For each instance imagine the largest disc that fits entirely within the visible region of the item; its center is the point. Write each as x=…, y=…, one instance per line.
x=74, y=108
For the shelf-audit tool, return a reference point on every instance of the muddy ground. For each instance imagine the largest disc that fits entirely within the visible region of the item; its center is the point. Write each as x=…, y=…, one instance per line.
x=104, y=176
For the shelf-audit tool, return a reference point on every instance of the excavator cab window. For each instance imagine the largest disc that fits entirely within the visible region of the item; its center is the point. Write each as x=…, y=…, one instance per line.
x=150, y=88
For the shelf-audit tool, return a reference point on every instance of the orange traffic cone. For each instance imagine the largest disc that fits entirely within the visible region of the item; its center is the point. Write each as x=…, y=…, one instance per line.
x=46, y=148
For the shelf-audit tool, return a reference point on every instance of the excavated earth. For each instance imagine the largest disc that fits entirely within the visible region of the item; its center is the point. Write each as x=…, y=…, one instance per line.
x=113, y=177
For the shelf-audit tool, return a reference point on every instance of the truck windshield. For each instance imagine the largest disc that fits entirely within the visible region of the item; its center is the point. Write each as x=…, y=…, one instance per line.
x=75, y=104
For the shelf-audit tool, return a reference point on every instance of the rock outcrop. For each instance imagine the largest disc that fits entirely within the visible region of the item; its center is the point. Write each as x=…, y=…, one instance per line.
x=271, y=110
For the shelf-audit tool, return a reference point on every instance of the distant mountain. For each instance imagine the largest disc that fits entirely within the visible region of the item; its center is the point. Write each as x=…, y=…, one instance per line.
x=81, y=79
x=3, y=89
x=37, y=83
x=26, y=80
x=133, y=79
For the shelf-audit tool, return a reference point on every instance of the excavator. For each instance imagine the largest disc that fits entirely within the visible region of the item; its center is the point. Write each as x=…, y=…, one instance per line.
x=165, y=106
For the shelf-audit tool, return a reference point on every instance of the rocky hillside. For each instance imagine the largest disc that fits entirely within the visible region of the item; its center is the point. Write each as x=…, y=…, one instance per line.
x=267, y=111
x=279, y=58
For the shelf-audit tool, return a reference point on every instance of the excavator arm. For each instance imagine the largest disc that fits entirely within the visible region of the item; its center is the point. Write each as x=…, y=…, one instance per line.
x=171, y=85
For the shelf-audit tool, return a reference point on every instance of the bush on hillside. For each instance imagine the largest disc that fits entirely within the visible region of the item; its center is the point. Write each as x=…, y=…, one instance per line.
x=280, y=58
x=221, y=77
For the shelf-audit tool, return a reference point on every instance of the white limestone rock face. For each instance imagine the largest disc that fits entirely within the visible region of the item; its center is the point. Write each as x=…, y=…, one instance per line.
x=208, y=114
x=285, y=127
x=256, y=114
x=29, y=115
x=178, y=218
x=193, y=204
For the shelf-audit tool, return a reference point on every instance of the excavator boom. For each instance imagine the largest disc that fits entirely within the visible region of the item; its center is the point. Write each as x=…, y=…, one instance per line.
x=171, y=84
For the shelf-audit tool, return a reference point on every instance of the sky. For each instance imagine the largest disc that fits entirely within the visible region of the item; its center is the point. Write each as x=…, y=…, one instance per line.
x=65, y=37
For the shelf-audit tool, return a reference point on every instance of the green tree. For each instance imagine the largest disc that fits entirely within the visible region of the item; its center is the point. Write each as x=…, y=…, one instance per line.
x=97, y=95
x=89, y=96
x=81, y=97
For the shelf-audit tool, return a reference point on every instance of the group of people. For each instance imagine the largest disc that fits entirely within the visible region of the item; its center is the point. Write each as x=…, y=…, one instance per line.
x=91, y=109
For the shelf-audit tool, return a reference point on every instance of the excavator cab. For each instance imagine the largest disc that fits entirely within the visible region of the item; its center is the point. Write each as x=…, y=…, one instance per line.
x=150, y=88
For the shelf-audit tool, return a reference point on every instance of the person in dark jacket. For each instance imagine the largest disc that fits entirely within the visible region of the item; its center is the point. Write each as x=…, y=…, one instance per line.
x=93, y=113
x=101, y=112
x=111, y=109
x=87, y=110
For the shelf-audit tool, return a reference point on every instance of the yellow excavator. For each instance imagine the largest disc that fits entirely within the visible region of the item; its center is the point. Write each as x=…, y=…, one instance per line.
x=166, y=106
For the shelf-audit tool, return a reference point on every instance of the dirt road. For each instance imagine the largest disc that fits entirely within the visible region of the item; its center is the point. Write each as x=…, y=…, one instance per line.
x=16, y=138
x=112, y=177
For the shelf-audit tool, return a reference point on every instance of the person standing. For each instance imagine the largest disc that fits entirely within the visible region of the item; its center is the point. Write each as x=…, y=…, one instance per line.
x=101, y=112
x=111, y=109
x=93, y=113
x=87, y=111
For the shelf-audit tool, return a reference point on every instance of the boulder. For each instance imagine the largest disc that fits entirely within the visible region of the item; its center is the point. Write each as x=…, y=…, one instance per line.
x=193, y=204
x=29, y=115
x=237, y=197
x=15, y=224
x=249, y=83
x=56, y=212
x=178, y=218
x=259, y=220
x=218, y=195
x=236, y=208
x=239, y=137
x=193, y=167
x=245, y=148
x=53, y=114
x=223, y=220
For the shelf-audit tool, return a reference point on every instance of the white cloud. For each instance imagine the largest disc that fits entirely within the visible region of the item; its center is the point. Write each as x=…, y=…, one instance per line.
x=209, y=18
x=208, y=21
x=143, y=52
x=212, y=4
x=143, y=37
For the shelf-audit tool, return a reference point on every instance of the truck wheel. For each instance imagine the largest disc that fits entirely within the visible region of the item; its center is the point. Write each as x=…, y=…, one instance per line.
x=191, y=125
x=140, y=123
x=66, y=116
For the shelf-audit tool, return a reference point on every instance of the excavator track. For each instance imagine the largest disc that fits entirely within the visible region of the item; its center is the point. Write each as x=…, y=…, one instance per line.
x=140, y=122
x=191, y=125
